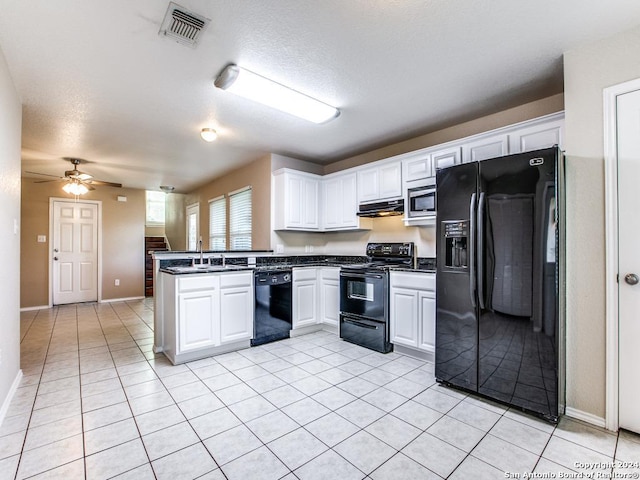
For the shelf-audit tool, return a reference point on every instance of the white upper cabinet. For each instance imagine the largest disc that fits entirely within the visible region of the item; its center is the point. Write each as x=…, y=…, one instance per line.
x=381, y=182
x=446, y=158
x=296, y=200
x=534, y=137
x=486, y=147
x=340, y=203
x=417, y=167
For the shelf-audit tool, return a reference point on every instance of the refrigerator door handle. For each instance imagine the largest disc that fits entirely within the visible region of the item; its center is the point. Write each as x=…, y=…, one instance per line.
x=480, y=250
x=472, y=247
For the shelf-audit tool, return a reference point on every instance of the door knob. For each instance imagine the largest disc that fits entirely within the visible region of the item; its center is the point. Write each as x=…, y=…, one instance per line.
x=55, y=258
x=631, y=278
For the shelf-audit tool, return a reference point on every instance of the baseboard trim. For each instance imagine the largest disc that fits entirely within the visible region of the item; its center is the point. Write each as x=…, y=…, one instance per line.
x=41, y=307
x=126, y=299
x=10, y=394
x=585, y=417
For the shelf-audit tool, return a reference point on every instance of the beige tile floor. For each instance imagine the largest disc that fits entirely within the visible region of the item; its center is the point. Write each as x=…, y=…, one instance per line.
x=96, y=403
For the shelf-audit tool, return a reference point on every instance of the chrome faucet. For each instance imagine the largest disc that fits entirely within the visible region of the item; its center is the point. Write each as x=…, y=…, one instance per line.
x=200, y=248
x=223, y=259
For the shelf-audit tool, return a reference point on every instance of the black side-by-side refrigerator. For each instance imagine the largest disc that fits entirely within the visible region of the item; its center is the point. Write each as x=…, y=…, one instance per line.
x=497, y=321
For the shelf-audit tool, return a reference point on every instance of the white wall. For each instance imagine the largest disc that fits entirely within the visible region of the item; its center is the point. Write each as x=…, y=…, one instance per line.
x=588, y=70
x=10, y=137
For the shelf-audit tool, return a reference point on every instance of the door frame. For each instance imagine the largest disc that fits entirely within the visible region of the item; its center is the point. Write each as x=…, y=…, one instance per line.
x=193, y=206
x=611, y=248
x=99, y=252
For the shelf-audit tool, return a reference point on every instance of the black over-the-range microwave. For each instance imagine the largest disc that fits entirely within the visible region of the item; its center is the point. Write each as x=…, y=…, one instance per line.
x=421, y=199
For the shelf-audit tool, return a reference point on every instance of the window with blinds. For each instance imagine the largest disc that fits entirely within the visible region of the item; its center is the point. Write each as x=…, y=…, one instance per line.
x=240, y=219
x=218, y=223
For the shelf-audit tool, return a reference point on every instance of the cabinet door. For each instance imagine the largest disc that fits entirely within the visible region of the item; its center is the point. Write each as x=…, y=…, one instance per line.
x=535, y=137
x=310, y=204
x=427, y=319
x=368, y=185
x=197, y=316
x=331, y=211
x=490, y=147
x=418, y=168
x=294, y=198
x=236, y=314
x=348, y=202
x=446, y=158
x=404, y=317
x=305, y=306
x=330, y=302
x=390, y=180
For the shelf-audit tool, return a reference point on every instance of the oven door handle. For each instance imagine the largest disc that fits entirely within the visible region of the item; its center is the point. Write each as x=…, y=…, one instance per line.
x=360, y=324
x=361, y=275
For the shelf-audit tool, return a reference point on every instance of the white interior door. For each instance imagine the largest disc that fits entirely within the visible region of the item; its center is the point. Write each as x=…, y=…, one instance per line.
x=75, y=252
x=628, y=126
x=193, y=226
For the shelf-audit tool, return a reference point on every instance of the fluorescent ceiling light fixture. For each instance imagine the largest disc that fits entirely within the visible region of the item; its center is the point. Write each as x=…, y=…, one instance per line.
x=75, y=188
x=260, y=89
x=208, y=134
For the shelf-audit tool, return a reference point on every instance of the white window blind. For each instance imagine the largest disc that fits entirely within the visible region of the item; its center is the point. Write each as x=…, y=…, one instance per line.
x=218, y=224
x=155, y=207
x=240, y=219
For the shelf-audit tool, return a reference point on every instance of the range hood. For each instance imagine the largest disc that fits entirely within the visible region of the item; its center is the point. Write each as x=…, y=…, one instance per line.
x=386, y=208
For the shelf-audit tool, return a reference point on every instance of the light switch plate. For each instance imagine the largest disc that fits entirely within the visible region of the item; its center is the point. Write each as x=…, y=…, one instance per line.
x=42, y=239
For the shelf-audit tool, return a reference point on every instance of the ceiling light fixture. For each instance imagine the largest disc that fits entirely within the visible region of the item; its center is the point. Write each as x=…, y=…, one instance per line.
x=167, y=188
x=208, y=134
x=75, y=188
x=260, y=89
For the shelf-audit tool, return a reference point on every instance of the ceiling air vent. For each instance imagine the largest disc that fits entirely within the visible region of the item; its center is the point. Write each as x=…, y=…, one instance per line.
x=182, y=25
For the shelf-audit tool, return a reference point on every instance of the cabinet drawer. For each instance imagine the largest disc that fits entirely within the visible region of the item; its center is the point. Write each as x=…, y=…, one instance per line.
x=415, y=281
x=189, y=283
x=305, y=274
x=240, y=279
x=331, y=273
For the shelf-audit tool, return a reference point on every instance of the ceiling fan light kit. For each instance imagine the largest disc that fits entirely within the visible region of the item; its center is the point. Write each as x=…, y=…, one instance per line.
x=260, y=89
x=75, y=188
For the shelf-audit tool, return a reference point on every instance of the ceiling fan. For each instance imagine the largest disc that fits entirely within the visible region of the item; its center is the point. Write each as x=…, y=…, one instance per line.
x=78, y=183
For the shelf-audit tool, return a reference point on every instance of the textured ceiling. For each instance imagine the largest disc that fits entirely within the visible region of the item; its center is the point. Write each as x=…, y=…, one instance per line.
x=99, y=83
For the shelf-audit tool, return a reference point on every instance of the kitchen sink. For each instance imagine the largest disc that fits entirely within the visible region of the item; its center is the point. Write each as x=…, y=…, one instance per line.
x=205, y=268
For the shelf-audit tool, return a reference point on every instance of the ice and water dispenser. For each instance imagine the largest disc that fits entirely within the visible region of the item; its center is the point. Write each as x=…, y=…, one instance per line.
x=456, y=245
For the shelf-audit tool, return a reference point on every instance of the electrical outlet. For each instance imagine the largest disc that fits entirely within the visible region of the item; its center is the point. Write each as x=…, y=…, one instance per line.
x=117, y=282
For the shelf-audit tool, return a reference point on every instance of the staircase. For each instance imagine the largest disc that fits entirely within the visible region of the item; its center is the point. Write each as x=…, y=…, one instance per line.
x=151, y=243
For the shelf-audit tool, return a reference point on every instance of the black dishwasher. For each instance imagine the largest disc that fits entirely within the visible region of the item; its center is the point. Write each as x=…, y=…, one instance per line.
x=272, y=317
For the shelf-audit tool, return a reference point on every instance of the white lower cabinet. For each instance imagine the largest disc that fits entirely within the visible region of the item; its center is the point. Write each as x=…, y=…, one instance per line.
x=330, y=296
x=413, y=310
x=236, y=314
x=206, y=313
x=304, y=297
x=196, y=328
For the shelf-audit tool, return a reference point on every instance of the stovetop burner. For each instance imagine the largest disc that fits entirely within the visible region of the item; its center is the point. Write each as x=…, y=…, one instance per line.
x=385, y=256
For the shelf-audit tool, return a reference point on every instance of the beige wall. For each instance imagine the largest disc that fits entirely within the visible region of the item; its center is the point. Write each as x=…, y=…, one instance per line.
x=10, y=135
x=257, y=175
x=175, y=223
x=588, y=70
x=122, y=241
x=153, y=231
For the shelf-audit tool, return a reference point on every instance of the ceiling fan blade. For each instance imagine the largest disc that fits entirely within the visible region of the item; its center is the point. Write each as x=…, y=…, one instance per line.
x=45, y=174
x=47, y=181
x=100, y=182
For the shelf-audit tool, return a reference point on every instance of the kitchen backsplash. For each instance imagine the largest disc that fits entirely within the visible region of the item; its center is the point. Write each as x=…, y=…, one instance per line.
x=391, y=229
